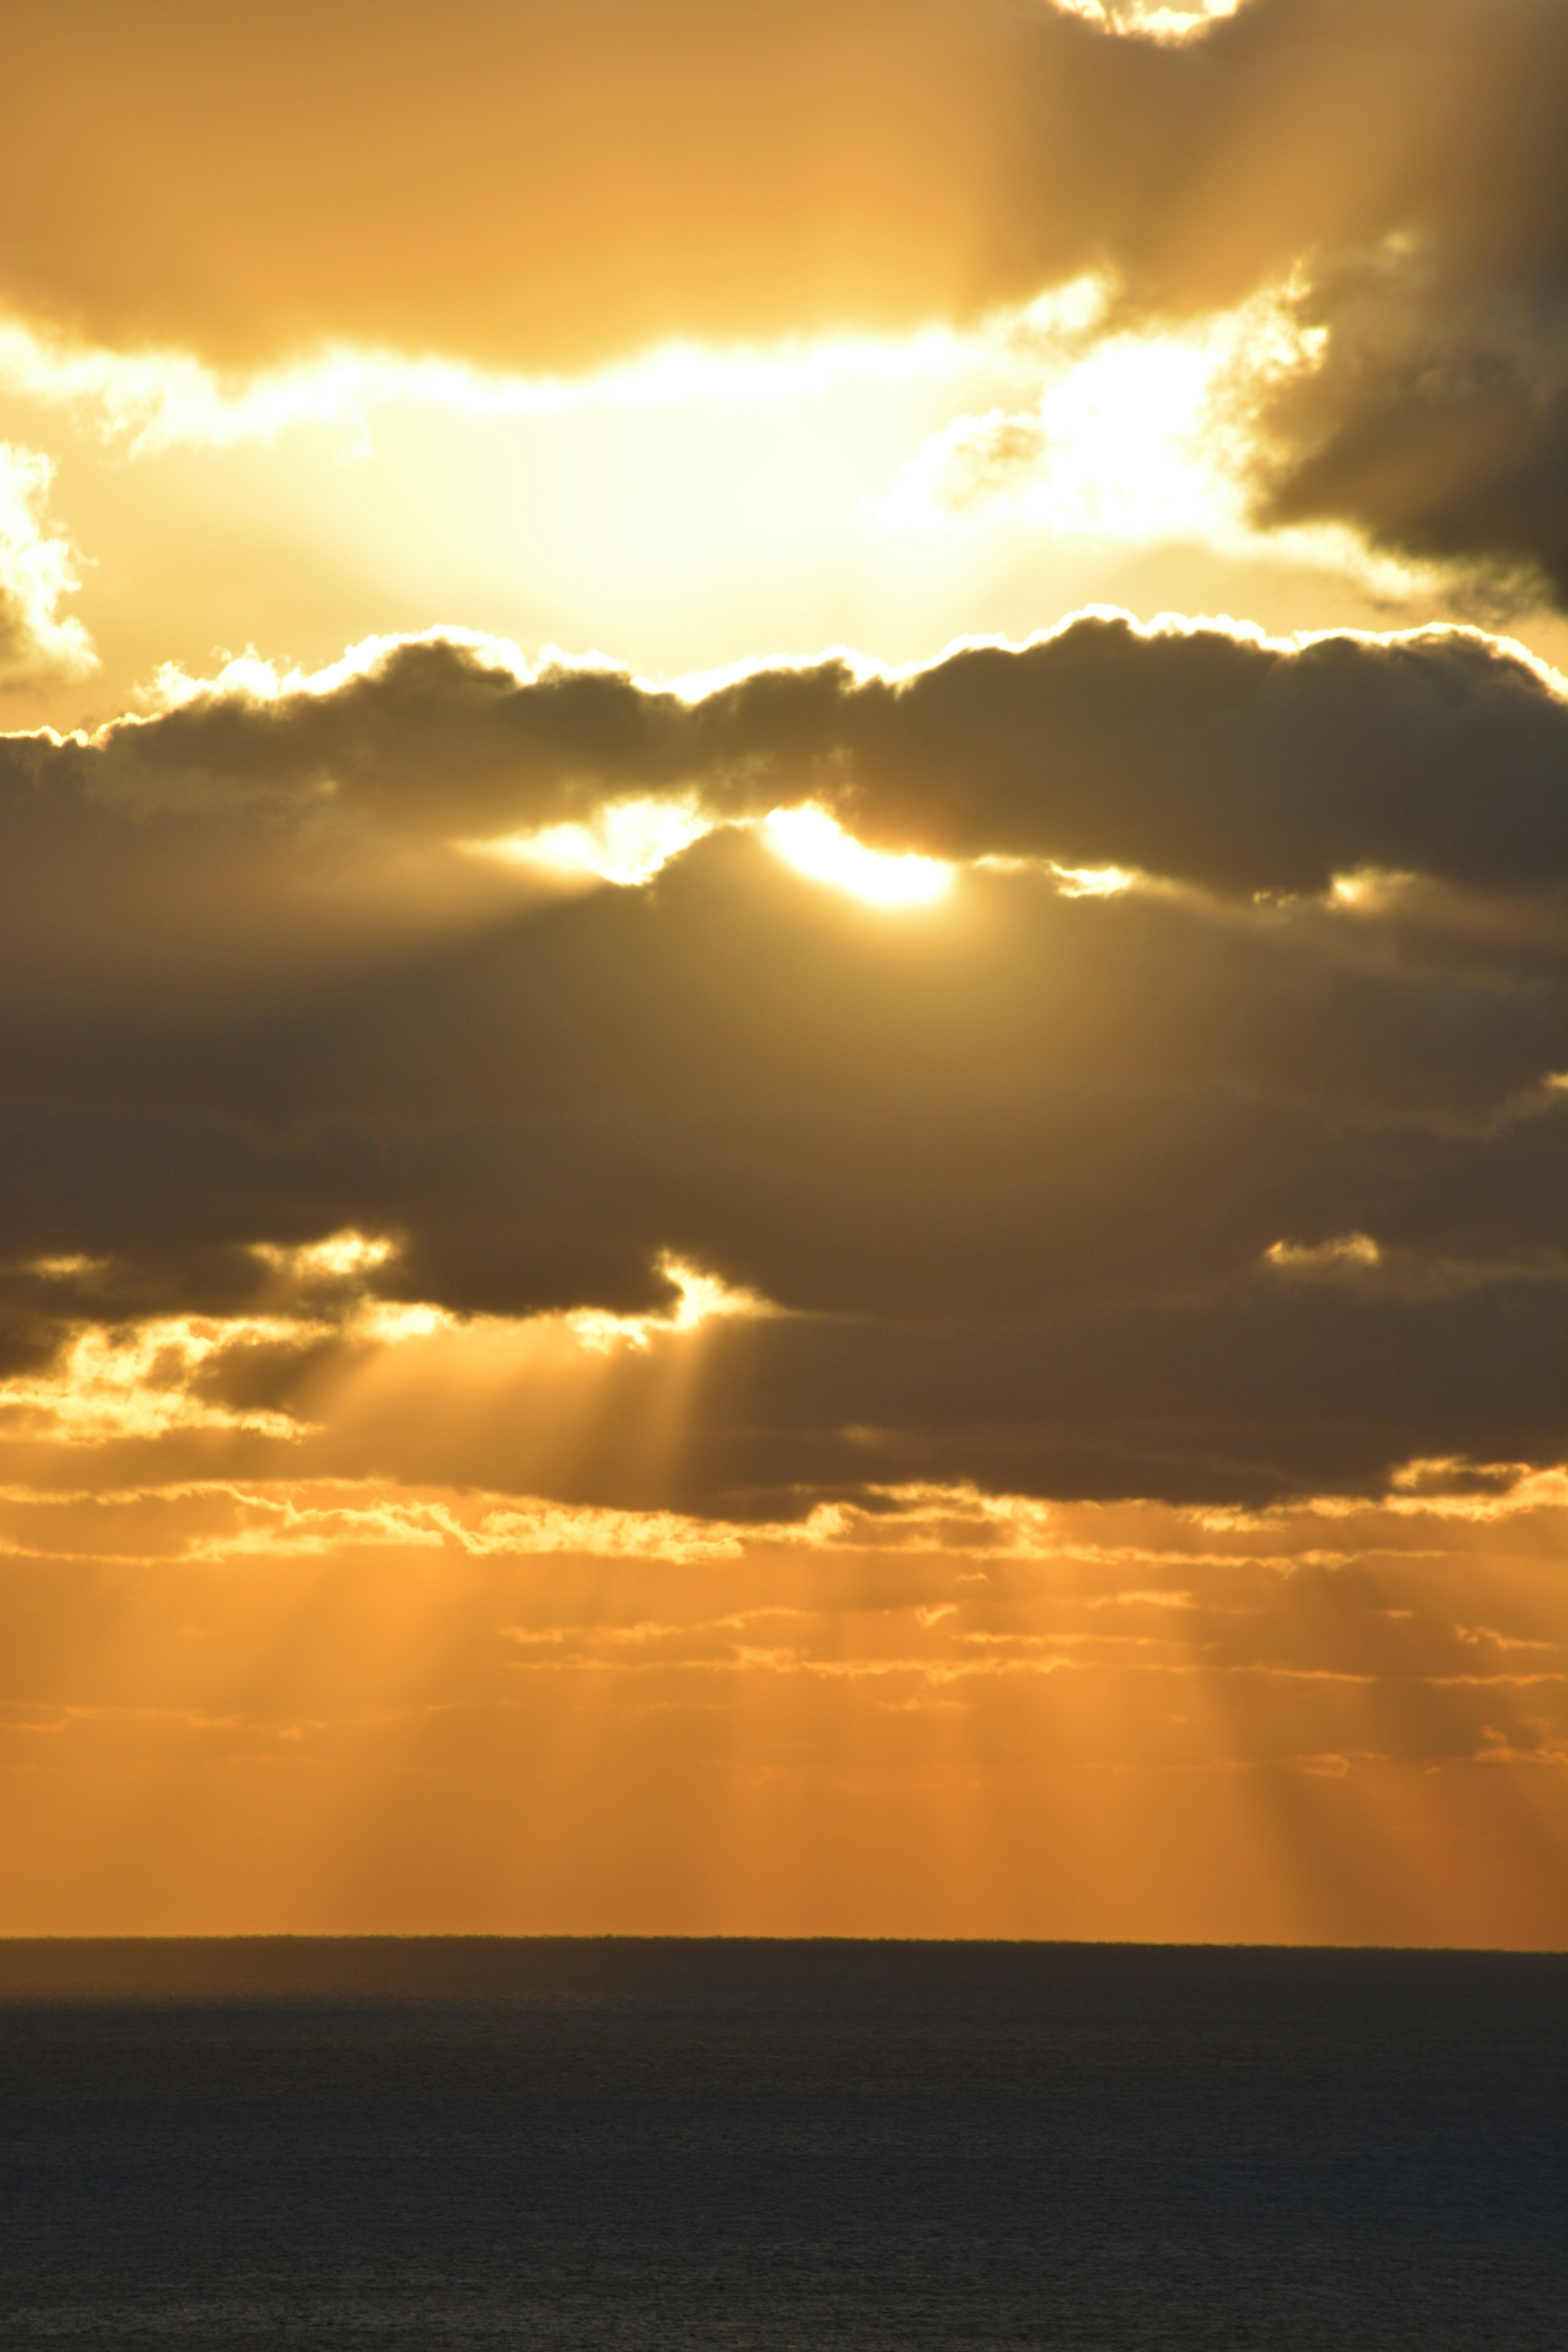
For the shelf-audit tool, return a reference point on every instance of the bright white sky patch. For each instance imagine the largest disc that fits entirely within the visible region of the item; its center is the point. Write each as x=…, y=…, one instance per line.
x=1140, y=438
x=37, y=570
x=690, y=509
x=152, y=401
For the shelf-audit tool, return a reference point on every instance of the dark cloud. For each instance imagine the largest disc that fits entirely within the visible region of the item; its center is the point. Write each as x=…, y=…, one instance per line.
x=1193, y=753
x=1400, y=165
x=1012, y=1165
x=1436, y=422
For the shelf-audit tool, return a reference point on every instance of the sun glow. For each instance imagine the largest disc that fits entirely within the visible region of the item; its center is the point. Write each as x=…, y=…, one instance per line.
x=1141, y=440
x=626, y=841
x=817, y=845
x=152, y=401
x=701, y=1298
x=1116, y=446
x=1144, y=22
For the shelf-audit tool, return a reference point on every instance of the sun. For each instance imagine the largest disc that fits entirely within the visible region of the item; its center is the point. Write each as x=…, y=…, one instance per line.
x=817, y=845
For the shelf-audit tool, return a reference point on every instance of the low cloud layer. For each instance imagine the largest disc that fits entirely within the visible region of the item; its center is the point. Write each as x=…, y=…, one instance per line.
x=1176, y=1717
x=1242, y=1181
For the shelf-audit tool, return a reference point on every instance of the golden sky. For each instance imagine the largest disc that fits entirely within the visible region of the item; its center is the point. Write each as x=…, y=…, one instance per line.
x=785, y=868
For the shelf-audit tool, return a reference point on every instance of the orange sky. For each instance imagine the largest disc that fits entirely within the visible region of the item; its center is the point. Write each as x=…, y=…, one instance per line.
x=784, y=869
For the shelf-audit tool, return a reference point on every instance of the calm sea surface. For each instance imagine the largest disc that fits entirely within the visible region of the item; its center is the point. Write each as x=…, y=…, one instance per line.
x=624, y=2145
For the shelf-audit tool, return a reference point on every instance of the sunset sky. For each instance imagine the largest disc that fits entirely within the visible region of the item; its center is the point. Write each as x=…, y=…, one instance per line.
x=785, y=891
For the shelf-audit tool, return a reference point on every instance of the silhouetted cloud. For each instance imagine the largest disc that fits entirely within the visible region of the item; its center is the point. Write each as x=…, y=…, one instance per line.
x=1237, y=1182
x=1195, y=752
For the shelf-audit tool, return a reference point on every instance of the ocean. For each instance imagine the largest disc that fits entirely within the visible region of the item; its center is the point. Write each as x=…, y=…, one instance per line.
x=623, y=2145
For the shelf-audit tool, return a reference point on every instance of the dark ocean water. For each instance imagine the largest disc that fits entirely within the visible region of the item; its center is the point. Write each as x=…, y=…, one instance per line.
x=624, y=2145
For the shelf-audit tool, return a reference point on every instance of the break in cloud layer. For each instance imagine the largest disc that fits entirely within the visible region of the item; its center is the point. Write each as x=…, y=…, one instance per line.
x=1203, y=1140
x=535, y=188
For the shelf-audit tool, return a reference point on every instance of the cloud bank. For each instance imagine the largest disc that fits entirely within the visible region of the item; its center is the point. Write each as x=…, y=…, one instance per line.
x=1237, y=1182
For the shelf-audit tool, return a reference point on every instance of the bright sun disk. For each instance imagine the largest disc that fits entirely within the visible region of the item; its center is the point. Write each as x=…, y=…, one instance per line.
x=815, y=842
